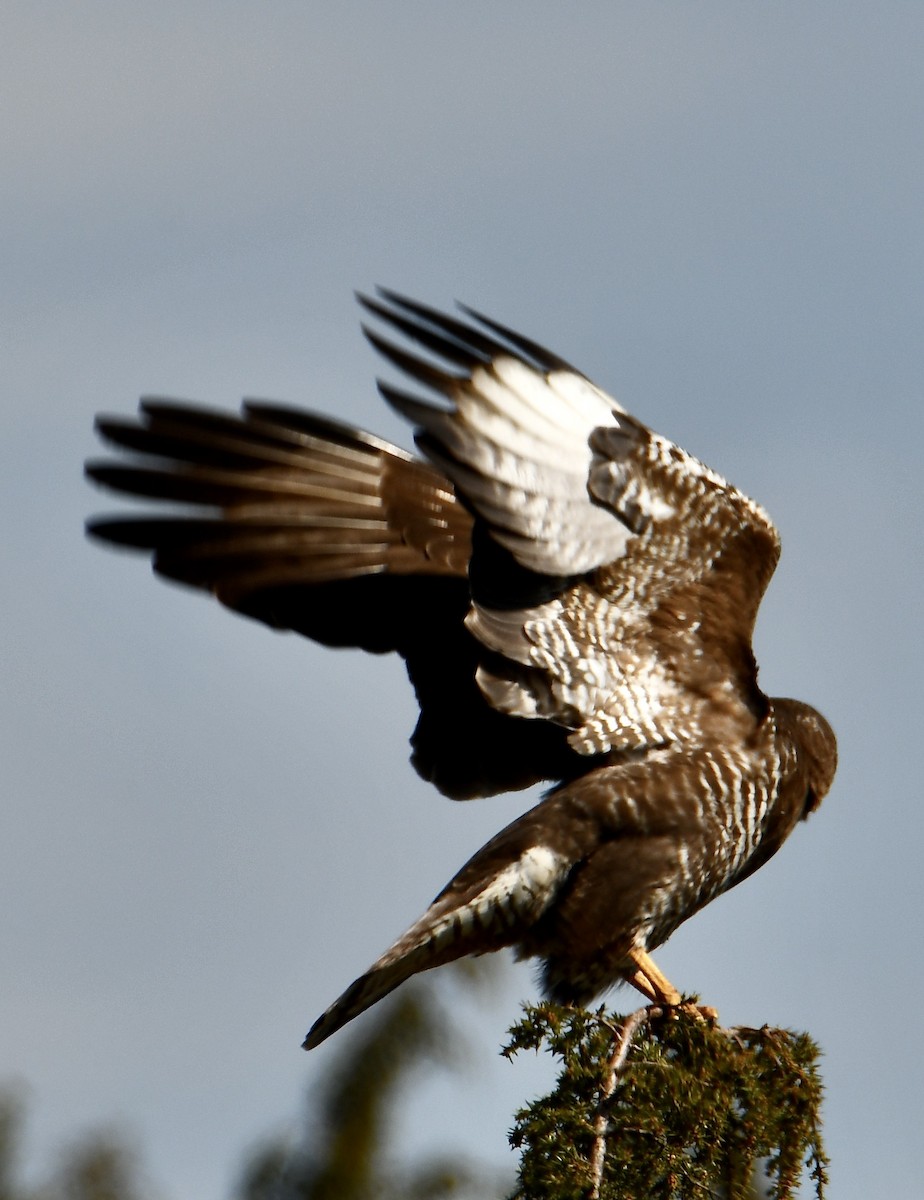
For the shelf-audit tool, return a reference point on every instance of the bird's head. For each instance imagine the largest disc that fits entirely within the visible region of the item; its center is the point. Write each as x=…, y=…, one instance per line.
x=817, y=747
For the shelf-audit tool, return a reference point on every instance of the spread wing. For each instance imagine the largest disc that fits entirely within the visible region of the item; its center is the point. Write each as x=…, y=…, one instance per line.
x=280, y=501
x=307, y=524
x=617, y=578
x=562, y=583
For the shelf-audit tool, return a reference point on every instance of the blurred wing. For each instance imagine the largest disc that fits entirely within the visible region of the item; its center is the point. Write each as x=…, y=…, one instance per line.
x=619, y=578
x=307, y=524
x=279, y=501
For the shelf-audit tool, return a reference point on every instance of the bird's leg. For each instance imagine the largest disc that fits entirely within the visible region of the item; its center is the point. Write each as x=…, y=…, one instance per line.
x=658, y=988
x=649, y=980
x=641, y=984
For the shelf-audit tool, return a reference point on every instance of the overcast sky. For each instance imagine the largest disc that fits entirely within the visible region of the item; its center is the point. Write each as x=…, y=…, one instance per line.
x=715, y=210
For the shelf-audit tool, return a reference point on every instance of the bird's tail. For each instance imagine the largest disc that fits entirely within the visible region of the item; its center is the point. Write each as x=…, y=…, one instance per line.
x=428, y=943
x=360, y=995
x=492, y=902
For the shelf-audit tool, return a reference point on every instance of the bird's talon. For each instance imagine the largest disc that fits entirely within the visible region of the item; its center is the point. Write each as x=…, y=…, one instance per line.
x=701, y=1012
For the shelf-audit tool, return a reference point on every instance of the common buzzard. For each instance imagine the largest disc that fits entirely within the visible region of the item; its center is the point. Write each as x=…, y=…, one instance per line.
x=574, y=597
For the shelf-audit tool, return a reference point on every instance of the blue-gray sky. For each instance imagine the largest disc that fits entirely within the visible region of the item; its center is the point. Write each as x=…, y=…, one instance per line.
x=716, y=211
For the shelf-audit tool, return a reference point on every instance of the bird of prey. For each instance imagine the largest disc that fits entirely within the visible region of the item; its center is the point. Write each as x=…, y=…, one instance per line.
x=574, y=598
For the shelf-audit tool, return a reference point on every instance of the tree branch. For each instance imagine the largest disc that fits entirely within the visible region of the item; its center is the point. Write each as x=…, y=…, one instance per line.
x=667, y=1105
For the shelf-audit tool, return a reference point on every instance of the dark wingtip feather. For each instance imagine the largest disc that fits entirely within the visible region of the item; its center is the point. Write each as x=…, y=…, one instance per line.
x=424, y=372
x=131, y=533
x=436, y=335
x=538, y=353
x=414, y=410
x=459, y=341
x=99, y=471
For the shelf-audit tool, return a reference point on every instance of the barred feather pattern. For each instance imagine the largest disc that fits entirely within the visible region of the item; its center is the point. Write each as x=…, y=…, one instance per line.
x=574, y=597
x=613, y=862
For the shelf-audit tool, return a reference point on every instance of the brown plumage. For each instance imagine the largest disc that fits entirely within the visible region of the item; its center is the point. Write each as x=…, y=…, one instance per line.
x=574, y=598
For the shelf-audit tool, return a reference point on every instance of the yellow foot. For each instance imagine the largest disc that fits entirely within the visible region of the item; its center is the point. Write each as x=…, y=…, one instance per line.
x=648, y=979
x=701, y=1012
x=659, y=990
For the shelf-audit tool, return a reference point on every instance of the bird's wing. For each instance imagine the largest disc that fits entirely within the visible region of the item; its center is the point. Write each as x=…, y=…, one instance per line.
x=492, y=902
x=307, y=524
x=608, y=582
x=279, y=500
x=615, y=579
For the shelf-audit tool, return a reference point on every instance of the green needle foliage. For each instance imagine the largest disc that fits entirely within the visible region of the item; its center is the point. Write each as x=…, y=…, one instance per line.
x=667, y=1107
x=652, y=1106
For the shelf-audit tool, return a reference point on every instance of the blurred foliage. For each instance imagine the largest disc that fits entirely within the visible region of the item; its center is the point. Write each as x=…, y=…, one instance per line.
x=342, y=1150
x=654, y=1106
x=99, y=1166
x=669, y=1108
x=345, y=1151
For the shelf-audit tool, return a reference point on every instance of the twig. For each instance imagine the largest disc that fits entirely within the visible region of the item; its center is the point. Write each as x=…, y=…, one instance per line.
x=615, y=1066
